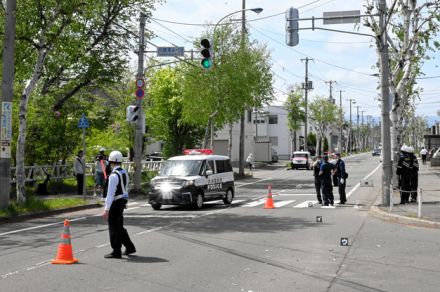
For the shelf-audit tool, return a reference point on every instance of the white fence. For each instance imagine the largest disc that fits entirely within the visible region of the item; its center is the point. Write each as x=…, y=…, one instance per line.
x=39, y=173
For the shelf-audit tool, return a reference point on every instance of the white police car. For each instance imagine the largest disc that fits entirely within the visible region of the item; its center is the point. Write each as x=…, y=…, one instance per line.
x=193, y=179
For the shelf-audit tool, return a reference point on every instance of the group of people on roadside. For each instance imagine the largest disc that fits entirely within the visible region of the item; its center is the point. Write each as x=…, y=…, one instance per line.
x=328, y=175
x=407, y=173
x=113, y=181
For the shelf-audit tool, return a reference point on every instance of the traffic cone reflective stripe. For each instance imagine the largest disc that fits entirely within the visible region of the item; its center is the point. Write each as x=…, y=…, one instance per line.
x=65, y=254
x=269, y=200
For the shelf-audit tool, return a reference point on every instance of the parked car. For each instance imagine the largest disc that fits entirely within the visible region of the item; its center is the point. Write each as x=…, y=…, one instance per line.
x=376, y=152
x=154, y=156
x=301, y=159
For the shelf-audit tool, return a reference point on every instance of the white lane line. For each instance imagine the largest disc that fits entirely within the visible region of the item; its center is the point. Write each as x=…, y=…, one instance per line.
x=161, y=216
x=129, y=209
x=283, y=203
x=151, y=230
x=254, y=203
x=296, y=195
x=40, y=226
x=358, y=184
x=305, y=204
x=132, y=203
x=328, y=207
x=251, y=183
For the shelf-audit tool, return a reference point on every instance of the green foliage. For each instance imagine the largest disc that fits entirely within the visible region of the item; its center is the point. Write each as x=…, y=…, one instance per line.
x=165, y=112
x=295, y=106
x=311, y=139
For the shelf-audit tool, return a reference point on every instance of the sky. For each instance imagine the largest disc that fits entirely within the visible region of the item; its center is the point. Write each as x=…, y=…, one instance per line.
x=345, y=58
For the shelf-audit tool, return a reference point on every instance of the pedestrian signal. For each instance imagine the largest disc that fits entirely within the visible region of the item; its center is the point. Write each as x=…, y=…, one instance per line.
x=132, y=113
x=206, y=54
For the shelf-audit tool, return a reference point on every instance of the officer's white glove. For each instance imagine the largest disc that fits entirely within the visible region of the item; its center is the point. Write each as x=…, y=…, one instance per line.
x=342, y=181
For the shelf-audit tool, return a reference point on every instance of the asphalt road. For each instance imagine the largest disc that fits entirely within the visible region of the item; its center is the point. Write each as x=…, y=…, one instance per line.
x=238, y=248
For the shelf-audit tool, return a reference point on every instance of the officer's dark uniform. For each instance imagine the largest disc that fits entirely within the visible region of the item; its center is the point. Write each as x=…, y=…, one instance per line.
x=118, y=234
x=326, y=180
x=407, y=172
x=340, y=174
x=318, y=184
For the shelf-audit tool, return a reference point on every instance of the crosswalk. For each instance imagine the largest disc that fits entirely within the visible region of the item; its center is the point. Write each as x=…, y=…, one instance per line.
x=258, y=203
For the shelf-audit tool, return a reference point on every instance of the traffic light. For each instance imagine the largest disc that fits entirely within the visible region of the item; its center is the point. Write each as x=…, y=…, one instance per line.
x=206, y=54
x=292, y=38
x=132, y=113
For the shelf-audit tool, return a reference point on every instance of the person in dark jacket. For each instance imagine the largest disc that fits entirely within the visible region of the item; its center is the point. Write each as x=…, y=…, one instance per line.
x=325, y=173
x=407, y=173
x=316, y=167
x=339, y=172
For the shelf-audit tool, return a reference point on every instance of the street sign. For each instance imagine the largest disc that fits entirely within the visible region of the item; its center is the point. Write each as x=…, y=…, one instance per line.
x=340, y=17
x=6, y=130
x=170, y=51
x=83, y=122
x=140, y=93
x=140, y=83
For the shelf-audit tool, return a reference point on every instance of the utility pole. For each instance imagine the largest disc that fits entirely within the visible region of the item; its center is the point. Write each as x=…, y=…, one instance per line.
x=382, y=46
x=6, y=102
x=306, y=90
x=350, y=135
x=330, y=96
x=242, y=119
x=361, y=134
x=138, y=127
x=341, y=122
x=357, y=126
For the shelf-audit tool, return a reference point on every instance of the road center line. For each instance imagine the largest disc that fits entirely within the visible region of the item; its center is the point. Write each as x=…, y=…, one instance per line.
x=358, y=184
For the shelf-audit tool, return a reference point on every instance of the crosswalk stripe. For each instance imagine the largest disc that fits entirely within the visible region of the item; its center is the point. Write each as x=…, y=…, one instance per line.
x=254, y=203
x=283, y=203
x=305, y=204
x=296, y=195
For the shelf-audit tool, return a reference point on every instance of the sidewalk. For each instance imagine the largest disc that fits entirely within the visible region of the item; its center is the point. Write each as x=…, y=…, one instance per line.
x=429, y=187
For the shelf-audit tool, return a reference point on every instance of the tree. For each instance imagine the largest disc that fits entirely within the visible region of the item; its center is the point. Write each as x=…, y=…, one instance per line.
x=411, y=38
x=164, y=112
x=64, y=46
x=295, y=106
x=324, y=114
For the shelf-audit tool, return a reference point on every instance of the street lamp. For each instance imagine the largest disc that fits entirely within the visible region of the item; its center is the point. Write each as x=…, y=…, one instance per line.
x=256, y=10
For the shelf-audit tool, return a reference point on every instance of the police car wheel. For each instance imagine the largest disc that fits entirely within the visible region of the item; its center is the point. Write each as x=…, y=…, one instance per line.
x=198, y=203
x=228, y=198
x=156, y=206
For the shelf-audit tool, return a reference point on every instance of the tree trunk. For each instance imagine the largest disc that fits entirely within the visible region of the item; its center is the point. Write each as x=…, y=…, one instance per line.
x=22, y=124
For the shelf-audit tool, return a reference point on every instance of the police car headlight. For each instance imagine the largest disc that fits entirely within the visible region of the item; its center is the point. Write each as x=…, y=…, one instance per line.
x=187, y=183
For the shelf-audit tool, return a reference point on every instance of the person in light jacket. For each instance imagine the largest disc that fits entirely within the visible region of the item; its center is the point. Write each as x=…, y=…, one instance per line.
x=79, y=171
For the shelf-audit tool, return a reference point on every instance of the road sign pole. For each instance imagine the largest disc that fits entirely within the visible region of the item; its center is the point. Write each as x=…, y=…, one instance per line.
x=84, y=161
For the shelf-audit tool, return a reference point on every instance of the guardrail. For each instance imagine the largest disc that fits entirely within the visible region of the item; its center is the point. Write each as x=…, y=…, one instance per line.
x=38, y=173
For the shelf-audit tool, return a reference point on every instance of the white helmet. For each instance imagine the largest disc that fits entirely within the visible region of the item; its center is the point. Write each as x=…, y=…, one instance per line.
x=102, y=149
x=115, y=156
x=404, y=148
x=410, y=149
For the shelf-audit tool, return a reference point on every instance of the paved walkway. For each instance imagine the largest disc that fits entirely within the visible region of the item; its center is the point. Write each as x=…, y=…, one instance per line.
x=429, y=189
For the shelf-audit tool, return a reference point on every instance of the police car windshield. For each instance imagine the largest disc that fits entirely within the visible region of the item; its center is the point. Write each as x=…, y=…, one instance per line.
x=181, y=167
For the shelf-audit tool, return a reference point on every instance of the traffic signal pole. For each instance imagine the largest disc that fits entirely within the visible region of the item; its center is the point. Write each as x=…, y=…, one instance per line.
x=138, y=128
x=6, y=103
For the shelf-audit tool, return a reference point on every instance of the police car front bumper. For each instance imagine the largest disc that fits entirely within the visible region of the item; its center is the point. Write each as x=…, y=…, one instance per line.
x=183, y=196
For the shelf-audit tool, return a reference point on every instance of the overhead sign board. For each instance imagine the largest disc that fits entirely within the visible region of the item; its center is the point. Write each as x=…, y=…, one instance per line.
x=341, y=17
x=170, y=51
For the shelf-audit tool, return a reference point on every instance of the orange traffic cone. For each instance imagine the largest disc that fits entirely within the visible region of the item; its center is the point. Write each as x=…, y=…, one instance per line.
x=269, y=201
x=65, y=255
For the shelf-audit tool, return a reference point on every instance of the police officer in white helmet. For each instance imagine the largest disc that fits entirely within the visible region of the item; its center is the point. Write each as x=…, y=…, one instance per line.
x=115, y=202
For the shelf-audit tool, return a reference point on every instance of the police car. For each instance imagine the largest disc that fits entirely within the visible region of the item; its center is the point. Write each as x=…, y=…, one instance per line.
x=193, y=179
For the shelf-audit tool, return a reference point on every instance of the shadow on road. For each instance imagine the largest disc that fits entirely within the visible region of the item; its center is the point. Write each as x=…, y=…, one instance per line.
x=142, y=259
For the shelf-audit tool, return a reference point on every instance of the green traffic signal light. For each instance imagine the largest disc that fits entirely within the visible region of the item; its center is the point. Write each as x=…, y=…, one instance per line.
x=206, y=63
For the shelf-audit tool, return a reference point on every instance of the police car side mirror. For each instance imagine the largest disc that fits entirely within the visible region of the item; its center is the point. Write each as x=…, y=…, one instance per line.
x=209, y=172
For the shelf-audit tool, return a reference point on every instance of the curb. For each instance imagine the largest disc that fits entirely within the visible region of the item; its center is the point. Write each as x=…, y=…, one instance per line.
x=21, y=218
x=375, y=211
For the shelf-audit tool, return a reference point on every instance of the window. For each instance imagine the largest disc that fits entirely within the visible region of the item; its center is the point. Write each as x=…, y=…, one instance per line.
x=274, y=140
x=249, y=116
x=220, y=166
x=273, y=119
x=228, y=166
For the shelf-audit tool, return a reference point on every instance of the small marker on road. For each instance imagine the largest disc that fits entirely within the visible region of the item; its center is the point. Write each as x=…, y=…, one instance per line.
x=344, y=241
x=310, y=204
x=318, y=218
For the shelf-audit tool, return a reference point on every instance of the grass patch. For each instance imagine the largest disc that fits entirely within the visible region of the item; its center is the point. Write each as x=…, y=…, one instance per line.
x=35, y=205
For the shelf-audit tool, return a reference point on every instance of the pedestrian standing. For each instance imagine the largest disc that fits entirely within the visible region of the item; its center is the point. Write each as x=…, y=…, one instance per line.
x=423, y=153
x=100, y=171
x=407, y=173
x=318, y=186
x=79, y=170
x=341, y=175
x=115, y=203
x=325, y=173
x=250, y=161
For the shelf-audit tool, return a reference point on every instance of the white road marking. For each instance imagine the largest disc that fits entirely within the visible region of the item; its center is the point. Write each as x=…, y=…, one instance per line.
x=251, y=183
x=296, y=195
x=132, y=203
x=160, y=216
x=358, y=184
x=254, y=203
x=40, y=226
x=328, y=207
x=305, y=204
x=129, y=209
x=283, y=203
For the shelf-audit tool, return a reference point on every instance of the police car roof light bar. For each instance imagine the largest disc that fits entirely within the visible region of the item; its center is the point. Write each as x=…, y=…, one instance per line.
x=198, y=151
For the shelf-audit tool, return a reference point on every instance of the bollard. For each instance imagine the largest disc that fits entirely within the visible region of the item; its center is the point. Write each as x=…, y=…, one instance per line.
x=420, y=203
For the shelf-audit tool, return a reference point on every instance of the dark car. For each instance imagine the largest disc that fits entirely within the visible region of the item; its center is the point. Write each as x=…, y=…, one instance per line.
x=376, y=152
x=154, y=156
